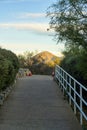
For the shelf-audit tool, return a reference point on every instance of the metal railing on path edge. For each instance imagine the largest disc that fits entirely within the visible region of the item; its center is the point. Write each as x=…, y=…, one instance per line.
x=74, y=90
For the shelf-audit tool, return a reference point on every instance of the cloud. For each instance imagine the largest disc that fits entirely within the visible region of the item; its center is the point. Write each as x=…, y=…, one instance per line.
x=31, y=15
x=15, y=1
x=36, y=27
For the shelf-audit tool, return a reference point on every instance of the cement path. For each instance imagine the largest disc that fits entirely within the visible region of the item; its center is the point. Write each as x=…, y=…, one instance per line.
x=36, y=103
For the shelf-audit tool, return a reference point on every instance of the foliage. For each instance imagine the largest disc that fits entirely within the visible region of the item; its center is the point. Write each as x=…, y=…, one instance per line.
x=22, y=62
x=9, y=66
x=76, y=65
x=25, y=60
x=68, y=18
x=41, y=63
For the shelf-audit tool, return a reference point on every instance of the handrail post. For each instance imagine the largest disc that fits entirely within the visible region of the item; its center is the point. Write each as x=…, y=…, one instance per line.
x=59, y=78
x=74, y=97
x=70, y=91
x=66, y=82
x=81, y=117
x=63, y=82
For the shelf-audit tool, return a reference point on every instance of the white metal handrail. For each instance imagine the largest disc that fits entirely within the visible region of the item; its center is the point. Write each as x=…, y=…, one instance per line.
x=73, y=89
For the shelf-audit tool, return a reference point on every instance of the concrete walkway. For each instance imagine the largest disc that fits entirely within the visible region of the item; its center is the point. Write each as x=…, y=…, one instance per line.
x=36, y=103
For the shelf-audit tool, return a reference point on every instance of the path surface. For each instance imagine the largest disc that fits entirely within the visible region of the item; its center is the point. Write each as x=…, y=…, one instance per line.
x=36, y=103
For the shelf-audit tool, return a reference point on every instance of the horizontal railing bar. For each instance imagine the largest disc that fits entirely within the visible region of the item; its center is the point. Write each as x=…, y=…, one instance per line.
x=63, y=77
x=76, y=93
x=85, y=88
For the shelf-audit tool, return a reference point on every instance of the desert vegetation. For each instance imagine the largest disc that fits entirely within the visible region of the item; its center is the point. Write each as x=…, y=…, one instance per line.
x=9, y=66
x=41, y=63
x=69, y=21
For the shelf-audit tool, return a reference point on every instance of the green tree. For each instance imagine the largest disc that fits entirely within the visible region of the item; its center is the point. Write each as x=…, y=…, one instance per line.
x=69, y=20
x=21, y=60
x=28, y=57
x=25, y=59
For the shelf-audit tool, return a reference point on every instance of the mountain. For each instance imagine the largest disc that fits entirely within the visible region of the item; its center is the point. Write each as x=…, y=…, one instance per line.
x=44, y=62
x=45, y=57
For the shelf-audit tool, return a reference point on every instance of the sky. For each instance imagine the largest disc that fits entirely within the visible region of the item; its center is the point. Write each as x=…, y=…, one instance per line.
x=23, y=26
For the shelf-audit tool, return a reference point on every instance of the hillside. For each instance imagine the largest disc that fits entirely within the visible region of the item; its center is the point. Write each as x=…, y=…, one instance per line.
x=44, y=62
x=45, y=57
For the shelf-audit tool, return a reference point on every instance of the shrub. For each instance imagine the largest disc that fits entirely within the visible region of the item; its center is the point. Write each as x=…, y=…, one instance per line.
x=8, y=68
x=76, y=65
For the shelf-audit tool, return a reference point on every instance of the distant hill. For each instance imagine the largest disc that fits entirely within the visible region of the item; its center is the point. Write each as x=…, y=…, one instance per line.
x=44, y=62
x=46, y=57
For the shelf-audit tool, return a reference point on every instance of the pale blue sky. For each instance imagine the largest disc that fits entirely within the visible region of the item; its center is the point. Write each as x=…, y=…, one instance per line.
x=23, y=26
